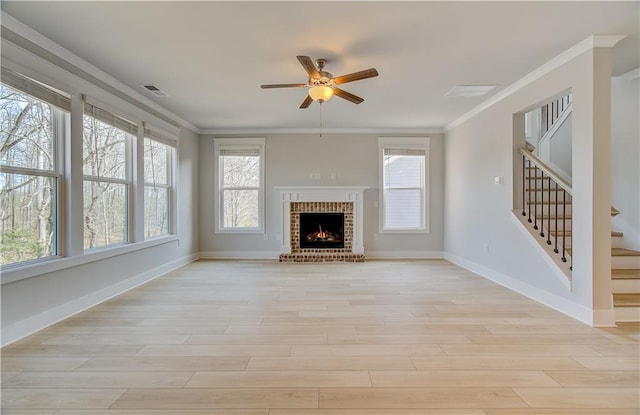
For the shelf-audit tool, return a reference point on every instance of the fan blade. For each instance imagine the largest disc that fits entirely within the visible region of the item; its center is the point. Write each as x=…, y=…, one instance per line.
x=282, y=86
x=308, y=66
x=347, y=95
x=307, y=101
x=356, y=76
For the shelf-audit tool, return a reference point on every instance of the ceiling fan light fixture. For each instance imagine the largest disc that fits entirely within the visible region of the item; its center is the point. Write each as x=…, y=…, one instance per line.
x=320, y=93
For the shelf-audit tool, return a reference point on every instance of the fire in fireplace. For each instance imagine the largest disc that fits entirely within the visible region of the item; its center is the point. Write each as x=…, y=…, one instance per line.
x=321, y=230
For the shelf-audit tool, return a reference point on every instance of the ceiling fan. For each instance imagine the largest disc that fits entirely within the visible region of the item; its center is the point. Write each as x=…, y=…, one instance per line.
x=322, y=85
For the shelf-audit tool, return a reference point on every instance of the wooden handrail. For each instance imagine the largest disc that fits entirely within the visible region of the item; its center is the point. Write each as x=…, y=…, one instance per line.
x=547, y=170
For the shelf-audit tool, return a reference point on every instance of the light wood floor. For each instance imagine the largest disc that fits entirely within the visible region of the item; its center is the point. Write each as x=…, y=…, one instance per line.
x=377, y=338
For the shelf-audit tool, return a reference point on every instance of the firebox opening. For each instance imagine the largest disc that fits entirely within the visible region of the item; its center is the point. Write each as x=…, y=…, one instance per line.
x=321, y=230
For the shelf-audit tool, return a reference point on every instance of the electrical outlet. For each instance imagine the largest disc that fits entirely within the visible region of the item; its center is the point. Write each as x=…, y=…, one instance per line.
x=266, y=237
x=375, y=236
x=498, y=180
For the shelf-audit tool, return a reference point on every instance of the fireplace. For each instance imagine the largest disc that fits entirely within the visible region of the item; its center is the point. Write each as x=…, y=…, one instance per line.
x=321, y=230
x=321, y=224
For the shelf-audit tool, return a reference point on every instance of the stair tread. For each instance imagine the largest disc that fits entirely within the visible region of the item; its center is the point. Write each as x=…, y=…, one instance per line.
x=569, y=233
x=626, y=300
x=624, y=252
x=625, y=274
x=618, y=252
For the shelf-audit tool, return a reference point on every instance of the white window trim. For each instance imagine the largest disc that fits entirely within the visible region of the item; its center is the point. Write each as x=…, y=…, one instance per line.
x=416, y=143
x=238, y=143
x=71, y=252
x=170, y=185
x=61, y=120
x=130, y=223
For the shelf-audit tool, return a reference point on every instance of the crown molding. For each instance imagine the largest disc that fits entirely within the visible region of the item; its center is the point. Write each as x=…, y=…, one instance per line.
x=32, y=41
x=595, y=41
x=377, y=131
x=631, y=75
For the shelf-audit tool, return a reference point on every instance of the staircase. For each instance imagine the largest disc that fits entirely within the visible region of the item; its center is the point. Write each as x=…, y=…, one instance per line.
x=625, y=276
x=547, y=207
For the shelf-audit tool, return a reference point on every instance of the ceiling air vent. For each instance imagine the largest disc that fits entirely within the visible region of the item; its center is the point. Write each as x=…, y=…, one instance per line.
x=469, y=90
x=155, y=90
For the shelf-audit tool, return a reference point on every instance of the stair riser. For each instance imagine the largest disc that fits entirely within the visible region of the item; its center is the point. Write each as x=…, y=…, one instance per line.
x=616, y=242
x=627, y=314
x=625, y=262
x=625, y=286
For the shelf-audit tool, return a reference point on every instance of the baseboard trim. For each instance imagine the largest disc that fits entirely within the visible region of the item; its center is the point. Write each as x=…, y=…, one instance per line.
x=561, y=304
x=403, y=255
x=276, y=255
x=24, y=328
x=240, y=255
x=604, y=318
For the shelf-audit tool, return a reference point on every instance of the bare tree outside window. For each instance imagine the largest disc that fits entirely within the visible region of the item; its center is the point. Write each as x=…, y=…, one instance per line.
x=240, y=190
x=157, y=178
x=28, y=178
x=105, y=183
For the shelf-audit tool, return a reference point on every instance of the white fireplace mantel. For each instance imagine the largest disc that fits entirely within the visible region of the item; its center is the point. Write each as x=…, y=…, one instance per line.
x=354, y=194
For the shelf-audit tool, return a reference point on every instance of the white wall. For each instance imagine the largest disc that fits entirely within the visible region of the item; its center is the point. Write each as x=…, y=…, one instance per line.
x=39, y=296
x=560, y=146
x=480, y=231
x=625, y=155
x=290, y=159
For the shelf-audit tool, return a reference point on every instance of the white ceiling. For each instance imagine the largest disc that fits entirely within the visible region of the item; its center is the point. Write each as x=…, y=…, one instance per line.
x=211, y=57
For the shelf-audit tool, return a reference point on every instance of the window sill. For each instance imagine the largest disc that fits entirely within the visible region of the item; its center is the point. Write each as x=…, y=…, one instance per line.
x=46, y=266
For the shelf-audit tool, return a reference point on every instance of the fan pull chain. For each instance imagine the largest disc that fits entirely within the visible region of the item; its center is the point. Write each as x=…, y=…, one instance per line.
x=320, y=119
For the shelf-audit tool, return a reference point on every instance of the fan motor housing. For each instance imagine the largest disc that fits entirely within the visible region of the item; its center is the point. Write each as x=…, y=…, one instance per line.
x=325, y=78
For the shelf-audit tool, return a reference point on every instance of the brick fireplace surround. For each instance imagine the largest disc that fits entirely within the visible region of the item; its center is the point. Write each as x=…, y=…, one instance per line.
x=337, y=199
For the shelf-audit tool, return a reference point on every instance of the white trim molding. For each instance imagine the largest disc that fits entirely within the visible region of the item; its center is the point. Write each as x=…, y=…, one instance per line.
x=561, y=304
x=404, y=254
x=28, y=39
x=263, y=131
x=595, y=41
x=259, y=255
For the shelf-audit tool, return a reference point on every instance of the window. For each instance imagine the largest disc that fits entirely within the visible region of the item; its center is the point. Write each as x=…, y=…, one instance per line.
x=403, y=184
x=32, y=126
x=240, y=185
x=158, y=189
x=106, y=166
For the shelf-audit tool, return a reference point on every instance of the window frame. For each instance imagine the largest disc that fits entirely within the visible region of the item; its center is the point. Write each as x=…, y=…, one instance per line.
x=59, y=105
x=127, y=181
x=68, y=96
x=238, y=144
x=404, y=143
x=170, y=185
